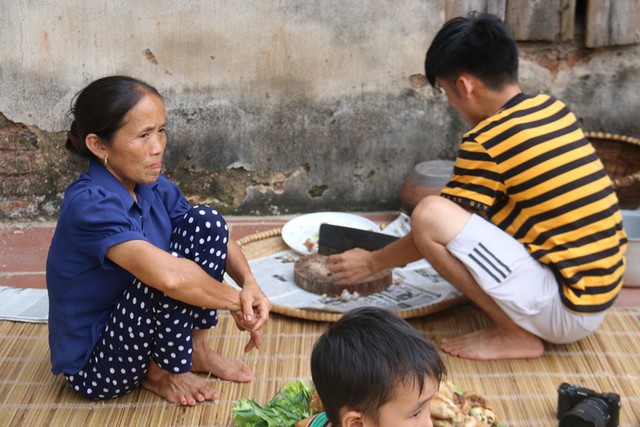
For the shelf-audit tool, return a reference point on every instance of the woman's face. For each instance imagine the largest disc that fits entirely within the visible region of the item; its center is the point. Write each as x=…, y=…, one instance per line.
x=135, y=153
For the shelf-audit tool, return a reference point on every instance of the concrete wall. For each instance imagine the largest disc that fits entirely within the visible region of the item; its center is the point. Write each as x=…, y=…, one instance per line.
x=274, y=107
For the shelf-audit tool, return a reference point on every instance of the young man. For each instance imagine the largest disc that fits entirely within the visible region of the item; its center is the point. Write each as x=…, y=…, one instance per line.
x=372, y=368
x=528, y=228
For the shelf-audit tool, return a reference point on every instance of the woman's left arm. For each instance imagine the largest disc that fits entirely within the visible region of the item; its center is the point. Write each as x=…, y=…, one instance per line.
x=251, y=297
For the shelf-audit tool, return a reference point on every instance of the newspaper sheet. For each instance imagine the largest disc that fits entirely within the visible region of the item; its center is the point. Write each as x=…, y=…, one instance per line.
x=416, y=285
x=24, y=304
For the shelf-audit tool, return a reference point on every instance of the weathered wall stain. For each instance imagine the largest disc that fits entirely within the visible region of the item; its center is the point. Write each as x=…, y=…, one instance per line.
x=272, y=107
x=149, y=56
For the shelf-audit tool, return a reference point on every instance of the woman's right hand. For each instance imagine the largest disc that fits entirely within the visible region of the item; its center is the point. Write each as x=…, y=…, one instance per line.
x=255, y=304
x=255, y=341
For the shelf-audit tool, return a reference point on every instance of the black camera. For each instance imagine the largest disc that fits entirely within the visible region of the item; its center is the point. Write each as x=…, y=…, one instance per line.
x=581, y=407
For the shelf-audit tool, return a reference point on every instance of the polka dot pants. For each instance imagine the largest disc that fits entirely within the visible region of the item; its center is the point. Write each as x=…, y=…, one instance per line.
x=146, y=324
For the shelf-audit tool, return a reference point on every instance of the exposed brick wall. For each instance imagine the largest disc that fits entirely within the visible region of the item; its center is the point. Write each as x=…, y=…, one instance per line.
x=18, y=169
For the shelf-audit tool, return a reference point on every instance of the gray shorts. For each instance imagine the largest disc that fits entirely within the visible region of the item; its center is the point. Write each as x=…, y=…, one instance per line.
x=526, y=290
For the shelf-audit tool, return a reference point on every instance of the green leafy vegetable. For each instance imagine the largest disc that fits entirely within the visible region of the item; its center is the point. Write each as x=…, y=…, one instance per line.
x=287, y=407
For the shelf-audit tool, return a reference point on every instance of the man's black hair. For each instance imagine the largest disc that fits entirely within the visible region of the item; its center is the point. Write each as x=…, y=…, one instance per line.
x=361, y=359
x=479, y=44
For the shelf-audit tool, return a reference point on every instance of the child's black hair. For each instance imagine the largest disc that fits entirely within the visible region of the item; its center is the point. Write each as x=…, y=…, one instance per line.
x=359, y=361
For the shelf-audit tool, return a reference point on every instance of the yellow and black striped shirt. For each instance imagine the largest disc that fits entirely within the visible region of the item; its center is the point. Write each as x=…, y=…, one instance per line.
x=530, y=168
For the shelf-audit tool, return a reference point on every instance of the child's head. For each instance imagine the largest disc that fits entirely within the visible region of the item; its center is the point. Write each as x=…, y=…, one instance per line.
x=371, y=365
x=480, y=44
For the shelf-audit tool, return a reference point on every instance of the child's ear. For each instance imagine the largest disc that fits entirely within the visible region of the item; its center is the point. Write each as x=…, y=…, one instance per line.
x=350, y=418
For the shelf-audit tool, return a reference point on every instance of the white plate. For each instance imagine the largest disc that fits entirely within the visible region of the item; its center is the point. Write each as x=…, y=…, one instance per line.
x=307, y=227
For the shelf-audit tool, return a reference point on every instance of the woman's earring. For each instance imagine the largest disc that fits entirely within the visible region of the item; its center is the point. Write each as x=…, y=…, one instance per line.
x=105, y=161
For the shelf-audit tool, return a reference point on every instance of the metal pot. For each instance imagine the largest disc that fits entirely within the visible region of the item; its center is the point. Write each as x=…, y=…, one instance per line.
x=426, y=178
x=631, y=222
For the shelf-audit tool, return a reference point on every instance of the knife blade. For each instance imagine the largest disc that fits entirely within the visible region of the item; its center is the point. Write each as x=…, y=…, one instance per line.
x=334, y=239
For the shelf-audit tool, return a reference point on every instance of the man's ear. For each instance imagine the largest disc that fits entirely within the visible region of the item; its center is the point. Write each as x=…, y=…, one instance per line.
x=350, y=418
x=466, y=85
x=96, y=146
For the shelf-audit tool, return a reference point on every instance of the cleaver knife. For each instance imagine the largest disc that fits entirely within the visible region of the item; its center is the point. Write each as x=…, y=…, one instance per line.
x=334, y=239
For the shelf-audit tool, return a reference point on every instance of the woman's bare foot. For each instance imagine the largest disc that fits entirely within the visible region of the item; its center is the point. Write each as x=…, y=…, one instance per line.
x=494, y=343
x=204, y=359
x=185, y=389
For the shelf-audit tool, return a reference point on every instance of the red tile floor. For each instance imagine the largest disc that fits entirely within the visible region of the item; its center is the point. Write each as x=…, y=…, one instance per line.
x=24, y=246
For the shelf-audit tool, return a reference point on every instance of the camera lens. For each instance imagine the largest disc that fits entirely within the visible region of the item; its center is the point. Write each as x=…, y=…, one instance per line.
x=591, y=412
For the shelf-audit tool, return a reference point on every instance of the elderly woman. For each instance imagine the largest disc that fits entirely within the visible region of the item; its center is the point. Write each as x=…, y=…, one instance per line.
x=134, y=273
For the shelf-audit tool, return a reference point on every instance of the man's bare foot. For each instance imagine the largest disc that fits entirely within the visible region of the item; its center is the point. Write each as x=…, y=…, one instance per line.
x=185, y=389
x=494, y=343
x=206, y=360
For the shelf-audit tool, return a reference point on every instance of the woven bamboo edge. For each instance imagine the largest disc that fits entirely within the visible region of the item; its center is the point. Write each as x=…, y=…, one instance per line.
x=259, y=236
x=623, y=181
x=271, y=233
x=325, y=316
x=613, y=136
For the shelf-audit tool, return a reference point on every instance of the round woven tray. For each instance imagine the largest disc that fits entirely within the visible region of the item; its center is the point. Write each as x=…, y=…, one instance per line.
x=621, y=158
x=269, y=242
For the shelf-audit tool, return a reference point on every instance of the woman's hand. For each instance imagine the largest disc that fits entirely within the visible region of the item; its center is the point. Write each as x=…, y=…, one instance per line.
x=256, y=335
x=351, y=266
x=254, y=313
x=255, y=305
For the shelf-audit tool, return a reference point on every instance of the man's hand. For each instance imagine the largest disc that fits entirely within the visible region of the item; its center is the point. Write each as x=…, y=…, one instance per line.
x=351, y=266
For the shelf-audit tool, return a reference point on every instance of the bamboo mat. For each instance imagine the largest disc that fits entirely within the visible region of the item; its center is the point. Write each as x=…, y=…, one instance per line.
x=523, y=393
